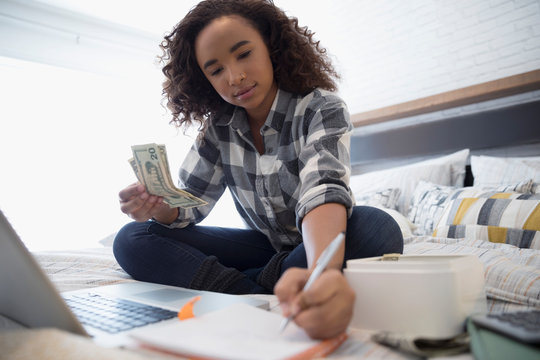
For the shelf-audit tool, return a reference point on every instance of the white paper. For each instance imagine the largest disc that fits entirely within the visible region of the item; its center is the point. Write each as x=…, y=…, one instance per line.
x=237, y=332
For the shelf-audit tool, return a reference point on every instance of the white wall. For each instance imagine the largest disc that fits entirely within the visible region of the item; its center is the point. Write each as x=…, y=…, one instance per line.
x=51, y=35
x=391, y=51
x=387, y=51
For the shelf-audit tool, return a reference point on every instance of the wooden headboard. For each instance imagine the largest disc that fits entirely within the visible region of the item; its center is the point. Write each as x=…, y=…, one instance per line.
x=500, y=118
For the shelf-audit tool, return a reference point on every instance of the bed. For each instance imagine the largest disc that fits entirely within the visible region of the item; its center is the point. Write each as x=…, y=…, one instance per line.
x=420, y=165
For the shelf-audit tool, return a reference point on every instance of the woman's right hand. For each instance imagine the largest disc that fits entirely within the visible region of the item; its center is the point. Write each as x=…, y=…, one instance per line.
x=139, y=205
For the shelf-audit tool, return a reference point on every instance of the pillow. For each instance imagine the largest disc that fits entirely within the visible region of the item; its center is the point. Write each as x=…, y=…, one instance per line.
x=504, y=220
x=387, y=198
x=429, y=200
x=497, y=170
x=445, y=170
x=404, y=224
x=108, y=240
x=527, y=239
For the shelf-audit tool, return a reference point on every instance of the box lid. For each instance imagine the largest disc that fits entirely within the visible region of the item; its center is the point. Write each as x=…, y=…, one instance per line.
x=413, y=262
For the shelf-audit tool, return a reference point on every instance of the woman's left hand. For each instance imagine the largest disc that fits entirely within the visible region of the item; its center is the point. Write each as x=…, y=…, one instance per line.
x=325, y=309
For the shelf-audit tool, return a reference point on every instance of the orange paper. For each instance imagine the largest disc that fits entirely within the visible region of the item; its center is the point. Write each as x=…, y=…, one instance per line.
x=186, y=312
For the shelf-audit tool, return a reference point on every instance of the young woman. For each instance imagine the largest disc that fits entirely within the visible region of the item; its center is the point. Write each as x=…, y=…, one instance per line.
x=260, y=88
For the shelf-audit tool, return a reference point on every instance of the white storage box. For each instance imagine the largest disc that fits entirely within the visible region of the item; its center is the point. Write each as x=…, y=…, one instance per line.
x=424, y=296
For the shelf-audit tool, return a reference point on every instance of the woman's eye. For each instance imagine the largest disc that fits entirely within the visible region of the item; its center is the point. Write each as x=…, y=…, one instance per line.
x=216, y=72
x=245, y=54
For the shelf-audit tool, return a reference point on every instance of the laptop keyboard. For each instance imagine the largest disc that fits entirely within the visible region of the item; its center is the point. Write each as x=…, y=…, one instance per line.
x=523, y=326
x=114, y=315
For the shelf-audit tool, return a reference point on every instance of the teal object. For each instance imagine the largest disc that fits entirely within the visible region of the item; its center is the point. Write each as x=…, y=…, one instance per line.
x=489, y=345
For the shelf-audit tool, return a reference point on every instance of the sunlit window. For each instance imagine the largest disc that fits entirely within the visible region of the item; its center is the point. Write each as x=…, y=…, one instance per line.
x=65, y=138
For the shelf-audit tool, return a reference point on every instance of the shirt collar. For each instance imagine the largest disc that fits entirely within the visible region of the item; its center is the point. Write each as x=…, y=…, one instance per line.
x=238, y=119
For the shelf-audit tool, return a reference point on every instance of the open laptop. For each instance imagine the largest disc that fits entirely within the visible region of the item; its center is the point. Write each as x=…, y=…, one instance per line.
x=29, y=299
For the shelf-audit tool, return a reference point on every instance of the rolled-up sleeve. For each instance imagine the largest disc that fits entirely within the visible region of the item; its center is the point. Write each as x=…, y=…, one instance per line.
x=325, y=157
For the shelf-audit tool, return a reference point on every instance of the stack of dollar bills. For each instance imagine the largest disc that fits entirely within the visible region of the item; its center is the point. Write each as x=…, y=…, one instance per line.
x=151, y=166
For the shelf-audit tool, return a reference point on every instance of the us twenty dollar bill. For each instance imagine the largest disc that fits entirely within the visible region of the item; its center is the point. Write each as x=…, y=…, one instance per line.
x=151, y=166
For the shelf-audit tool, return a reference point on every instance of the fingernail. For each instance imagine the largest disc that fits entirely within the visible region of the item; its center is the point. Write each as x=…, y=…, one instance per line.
x=144, y=196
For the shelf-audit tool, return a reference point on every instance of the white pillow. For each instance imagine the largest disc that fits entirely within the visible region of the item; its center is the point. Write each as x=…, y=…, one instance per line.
x=108, y=241
x=445, y=170
x=407, y=228
x=488, y=170
x=387, y=198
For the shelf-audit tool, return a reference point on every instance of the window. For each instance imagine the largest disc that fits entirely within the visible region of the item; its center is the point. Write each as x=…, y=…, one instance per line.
x=77, y=91
x=65, y=138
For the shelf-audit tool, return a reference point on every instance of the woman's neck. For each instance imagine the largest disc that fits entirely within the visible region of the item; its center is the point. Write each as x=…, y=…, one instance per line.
x=257, y=116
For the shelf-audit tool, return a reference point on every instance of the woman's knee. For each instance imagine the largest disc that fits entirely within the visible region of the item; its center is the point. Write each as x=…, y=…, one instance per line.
x=391, y=232
x=373, y=232
x=127, y=239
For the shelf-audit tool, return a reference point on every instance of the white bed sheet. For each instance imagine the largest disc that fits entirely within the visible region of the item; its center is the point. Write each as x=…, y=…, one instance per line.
x=512, y=274
x=77, y=269
x=512, y=279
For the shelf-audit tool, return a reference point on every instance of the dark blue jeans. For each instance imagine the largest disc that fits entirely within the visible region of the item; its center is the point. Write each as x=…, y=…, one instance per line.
x=238, y=261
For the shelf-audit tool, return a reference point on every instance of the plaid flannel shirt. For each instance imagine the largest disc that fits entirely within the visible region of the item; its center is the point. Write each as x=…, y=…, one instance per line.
x=306, y=163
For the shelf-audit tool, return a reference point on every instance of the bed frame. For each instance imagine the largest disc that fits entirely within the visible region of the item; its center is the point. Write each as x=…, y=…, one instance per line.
x=498, y=118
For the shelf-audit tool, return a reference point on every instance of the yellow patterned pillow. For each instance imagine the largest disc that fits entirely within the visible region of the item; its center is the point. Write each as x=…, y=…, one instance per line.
x=497, y=219
x=430, y=200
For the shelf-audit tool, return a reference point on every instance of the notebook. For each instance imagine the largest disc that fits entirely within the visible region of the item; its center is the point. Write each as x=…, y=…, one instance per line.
x=29, y=299
x=237, y=332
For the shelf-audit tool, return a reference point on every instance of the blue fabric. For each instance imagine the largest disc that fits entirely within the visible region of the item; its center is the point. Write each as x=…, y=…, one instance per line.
x=151, y=252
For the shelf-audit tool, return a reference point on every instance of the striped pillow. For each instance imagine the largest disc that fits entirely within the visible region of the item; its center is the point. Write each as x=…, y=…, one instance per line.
x=497, y=219
x=430, y=200
x=387, y=198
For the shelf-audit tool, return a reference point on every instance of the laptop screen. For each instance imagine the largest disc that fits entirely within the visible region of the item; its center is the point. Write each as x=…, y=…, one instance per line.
x=27, y=296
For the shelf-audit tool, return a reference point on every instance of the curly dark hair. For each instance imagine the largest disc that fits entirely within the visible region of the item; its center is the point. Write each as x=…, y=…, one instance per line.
x=300, y=64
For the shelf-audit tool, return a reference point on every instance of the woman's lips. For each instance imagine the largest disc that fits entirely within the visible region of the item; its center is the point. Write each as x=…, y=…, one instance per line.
x=245, y=93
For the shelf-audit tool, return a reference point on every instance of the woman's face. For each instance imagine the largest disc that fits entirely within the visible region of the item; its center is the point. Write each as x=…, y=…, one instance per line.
x=234, y=58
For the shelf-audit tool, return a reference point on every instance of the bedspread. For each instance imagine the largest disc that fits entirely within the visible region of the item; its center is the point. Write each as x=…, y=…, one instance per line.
x=71, y=270
x=512, y=274
x=512, y=278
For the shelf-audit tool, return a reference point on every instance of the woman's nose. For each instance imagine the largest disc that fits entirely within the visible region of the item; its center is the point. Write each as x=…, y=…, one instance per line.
x=236, y=76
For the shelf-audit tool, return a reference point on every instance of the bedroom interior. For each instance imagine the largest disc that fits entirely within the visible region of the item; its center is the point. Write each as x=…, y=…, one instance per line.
x=467, y=130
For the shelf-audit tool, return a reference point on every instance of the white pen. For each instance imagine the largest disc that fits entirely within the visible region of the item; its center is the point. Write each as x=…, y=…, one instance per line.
x=322, y=263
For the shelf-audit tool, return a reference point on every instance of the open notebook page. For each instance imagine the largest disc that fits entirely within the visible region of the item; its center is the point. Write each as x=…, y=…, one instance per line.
x=237, y=332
